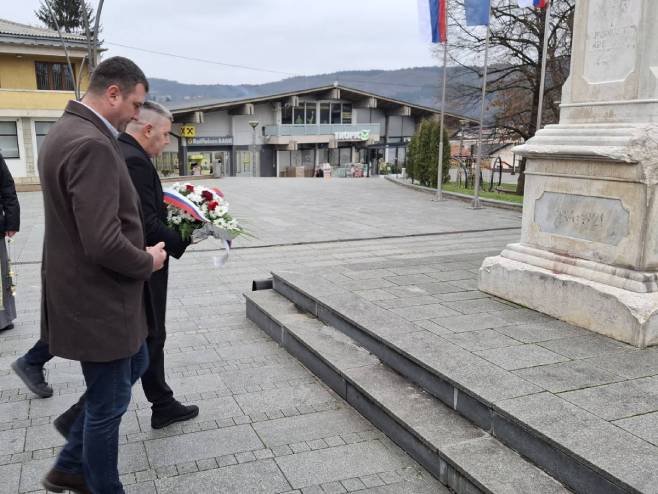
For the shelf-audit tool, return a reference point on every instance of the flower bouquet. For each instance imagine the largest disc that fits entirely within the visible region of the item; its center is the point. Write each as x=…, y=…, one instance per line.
x=198, y=212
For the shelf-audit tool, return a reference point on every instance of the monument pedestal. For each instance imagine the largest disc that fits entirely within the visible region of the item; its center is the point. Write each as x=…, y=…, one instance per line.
x=588, y=252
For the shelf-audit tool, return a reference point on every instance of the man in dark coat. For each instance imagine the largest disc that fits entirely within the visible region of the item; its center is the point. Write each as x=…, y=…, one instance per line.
x=10, y=214
x=95, y=262
x=144, y=139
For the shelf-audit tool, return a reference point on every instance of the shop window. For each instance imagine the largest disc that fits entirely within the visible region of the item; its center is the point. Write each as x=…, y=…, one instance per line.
x=53, y=76
x=41, y=130
x=286, y=115
x=336, y=113
x=347, y=113
x=325, y=113
x=9, y=140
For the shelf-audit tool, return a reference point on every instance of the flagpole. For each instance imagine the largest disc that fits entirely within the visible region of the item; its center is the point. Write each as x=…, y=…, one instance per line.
x=439, y=172
x=547, y=25
x=476, y=192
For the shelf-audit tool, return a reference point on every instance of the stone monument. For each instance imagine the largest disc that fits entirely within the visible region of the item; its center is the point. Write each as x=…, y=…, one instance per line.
x=588, y=252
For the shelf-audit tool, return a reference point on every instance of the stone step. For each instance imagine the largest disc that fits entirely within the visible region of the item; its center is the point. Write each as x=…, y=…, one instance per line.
x=458, y=453
x=583, y=451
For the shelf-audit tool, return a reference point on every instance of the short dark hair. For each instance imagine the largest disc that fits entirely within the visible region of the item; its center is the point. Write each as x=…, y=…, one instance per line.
x=118, y=71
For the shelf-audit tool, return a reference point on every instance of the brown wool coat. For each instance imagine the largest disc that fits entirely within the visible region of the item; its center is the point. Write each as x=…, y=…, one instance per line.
x=94, y=263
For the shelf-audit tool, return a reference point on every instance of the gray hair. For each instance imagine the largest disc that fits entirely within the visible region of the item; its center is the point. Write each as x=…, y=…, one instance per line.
x=157, y=108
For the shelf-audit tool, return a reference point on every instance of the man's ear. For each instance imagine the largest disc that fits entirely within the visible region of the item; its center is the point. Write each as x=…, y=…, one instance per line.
x=113, y=93
x=148, y=130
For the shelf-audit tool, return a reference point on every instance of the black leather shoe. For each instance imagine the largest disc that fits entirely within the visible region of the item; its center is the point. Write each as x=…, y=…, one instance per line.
x=7, y=327
x=176, y=412
x=57, y=481
x=33, y=377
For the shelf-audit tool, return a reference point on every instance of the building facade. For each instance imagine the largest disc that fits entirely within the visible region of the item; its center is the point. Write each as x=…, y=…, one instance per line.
x=334, y=128
x=35, y=85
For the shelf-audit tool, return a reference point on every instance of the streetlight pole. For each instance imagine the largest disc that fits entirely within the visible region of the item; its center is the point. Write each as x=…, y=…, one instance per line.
x=253, y=124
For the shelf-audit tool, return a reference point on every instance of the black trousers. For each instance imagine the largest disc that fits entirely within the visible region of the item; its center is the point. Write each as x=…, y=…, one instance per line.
x=155, y=386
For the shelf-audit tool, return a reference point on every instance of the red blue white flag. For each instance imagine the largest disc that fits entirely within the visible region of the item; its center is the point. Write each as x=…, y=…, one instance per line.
x=540, y=4
x=433, y=18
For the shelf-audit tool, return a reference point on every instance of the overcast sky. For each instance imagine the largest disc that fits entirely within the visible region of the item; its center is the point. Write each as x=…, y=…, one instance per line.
x=294, y=36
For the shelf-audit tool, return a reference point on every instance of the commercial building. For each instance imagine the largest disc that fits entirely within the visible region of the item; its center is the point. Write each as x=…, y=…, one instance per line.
x=292, y=134
x=35, y=85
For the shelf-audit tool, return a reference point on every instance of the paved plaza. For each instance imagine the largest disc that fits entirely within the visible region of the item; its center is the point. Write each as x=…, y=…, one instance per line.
x=267, y=424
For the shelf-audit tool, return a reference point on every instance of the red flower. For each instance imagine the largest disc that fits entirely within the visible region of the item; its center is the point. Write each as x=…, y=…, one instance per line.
x=190, y=188
x=207, y=195
x=212, y=205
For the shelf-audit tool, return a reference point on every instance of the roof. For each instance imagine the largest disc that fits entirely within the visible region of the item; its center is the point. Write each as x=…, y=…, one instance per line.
x=214, y=105
x=23, y=34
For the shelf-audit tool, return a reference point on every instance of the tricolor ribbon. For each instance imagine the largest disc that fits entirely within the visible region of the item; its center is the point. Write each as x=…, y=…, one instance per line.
x=176, y=199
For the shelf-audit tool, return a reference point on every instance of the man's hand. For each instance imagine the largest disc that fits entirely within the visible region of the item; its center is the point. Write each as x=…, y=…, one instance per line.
x=10, y=233
x=159, y=255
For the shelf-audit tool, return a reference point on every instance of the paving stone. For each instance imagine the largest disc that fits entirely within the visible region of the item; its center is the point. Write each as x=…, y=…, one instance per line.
x=476, y=306
x=12, y=441
x=141, y=488
x=290, y=370
x=630, y=364
x=254, y=477
x=401, y=303
x=543, y=331
x=14, y=411
x=471, y=322
x=425, y=312
x=372, y=480
x=245, y=457
x=201, y=445
x=234, y=352
x=368, y=274
x=333, y=488
x=327, y=465
x=518, y=357
x=481, y=340
x=184, y=359
x=283, y=398
x=468, y=295
x=643, y=426
x=10, y=475
x=566, y=376
x=585, y=346
x=43, y=436
x=618, y=400
x=410, y=279
x=377, y=294
x=352, y=485
x=52, y=406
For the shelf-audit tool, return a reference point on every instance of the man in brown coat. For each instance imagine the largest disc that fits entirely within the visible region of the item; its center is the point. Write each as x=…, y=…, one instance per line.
x=93, y=269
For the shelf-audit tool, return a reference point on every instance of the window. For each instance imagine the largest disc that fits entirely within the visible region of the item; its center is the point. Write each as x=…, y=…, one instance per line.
x=286, y=115
x=347, y=113
x=310, y=113
x=324, y=113
x=41, y=130
x=53, y=76
x=298, y=114
x=9, y=140
x=335, y=113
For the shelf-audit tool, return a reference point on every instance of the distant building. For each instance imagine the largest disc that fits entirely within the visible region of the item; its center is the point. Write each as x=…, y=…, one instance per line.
x=294, y=133
x=35, y=85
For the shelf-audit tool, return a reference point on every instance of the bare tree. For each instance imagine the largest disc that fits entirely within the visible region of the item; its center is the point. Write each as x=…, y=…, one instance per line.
x=516, y=45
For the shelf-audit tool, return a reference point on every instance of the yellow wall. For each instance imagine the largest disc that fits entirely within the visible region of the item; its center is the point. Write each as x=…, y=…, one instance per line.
x=20, y=73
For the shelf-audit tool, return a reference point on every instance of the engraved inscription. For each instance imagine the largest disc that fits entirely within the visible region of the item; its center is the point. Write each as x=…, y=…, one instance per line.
x=612, y=32
x=596, y=219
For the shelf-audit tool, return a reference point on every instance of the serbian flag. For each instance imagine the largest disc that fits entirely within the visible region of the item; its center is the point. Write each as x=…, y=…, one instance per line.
x=540, y=4
x=433, y=18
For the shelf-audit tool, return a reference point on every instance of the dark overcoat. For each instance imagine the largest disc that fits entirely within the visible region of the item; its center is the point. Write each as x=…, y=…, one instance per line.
x=94, y=260
x=10, y=210
x=149, y=189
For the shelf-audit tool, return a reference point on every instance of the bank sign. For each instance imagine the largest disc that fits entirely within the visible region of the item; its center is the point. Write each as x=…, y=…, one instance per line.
x=210, y=141
x=360, y=135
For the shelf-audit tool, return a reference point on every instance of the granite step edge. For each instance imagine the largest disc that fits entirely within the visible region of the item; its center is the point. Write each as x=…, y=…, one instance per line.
x=581, y=471
x=301, y=339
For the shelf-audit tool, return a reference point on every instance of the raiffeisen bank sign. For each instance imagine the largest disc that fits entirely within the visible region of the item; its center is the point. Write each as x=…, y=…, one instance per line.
x=361, y=135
